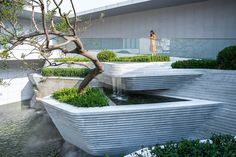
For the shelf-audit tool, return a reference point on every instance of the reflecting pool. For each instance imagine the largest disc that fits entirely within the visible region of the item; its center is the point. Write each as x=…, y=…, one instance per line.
x=25, y=132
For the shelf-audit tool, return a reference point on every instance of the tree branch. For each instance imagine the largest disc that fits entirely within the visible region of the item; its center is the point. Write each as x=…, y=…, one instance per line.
x=40, y=39
x=44, y=23
x=5, y=29
x=58, y=6
x=73, y=7
x=33, y=19
x=64, y=16
x=54, y=47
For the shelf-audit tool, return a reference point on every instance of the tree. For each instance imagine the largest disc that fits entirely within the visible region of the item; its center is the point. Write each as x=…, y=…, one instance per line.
x=55, y=25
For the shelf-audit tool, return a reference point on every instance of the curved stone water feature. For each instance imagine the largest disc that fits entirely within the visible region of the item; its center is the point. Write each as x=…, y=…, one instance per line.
x=122, y=129
x=144, y=76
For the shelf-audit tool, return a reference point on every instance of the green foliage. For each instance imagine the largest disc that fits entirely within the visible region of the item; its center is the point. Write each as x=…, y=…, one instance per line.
x=227, y=58
x=219, y=146
x=69, y=72
x=4, y=54
x=61, y=25
x=50, y=14
x=106, y=55
x=4, y=40
x=144, y=58
x=90, y=97
x=79, y=59
x=9, y=9
x=197, y=64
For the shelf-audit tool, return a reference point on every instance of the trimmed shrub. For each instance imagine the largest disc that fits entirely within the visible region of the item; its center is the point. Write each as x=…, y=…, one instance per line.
x=144, y=58
x=90, y=97
x=197, y=64
x=227, y=58
x=106, y=55
x=217, y=146
x=69, y=72
x=78, y=59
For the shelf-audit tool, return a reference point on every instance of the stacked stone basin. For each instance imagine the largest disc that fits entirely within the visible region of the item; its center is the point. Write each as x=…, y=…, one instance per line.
x=116, y=130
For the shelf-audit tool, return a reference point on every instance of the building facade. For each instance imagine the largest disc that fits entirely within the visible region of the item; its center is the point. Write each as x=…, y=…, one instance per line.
x=195, y=29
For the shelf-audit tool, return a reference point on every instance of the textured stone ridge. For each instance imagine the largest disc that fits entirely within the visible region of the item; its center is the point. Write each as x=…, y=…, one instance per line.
x=124, y=129
x=44, y=86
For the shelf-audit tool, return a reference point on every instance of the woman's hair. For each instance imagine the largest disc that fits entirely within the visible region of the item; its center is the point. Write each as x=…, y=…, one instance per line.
x=151, y=33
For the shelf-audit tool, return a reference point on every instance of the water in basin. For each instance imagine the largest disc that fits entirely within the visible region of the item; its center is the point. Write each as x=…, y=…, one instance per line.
x=131, y=98
x=25, y=132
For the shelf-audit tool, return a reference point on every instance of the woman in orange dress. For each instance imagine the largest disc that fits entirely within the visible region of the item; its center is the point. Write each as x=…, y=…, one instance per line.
x=153, y=48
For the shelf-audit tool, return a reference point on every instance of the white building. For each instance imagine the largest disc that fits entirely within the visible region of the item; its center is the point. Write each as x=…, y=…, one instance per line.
x=185, y=28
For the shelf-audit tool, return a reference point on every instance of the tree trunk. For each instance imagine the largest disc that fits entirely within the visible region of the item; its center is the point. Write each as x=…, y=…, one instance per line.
x=93, y=73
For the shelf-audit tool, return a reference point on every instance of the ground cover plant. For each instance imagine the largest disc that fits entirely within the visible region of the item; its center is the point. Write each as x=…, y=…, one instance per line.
x=70, y=59
x=90, y=97
x=143, y=58
x=217, y=146
x=69, y=72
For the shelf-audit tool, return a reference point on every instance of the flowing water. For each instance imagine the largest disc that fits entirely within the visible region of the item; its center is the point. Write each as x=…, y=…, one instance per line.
x=117, y=90
x=132, y=98
x=25, y=132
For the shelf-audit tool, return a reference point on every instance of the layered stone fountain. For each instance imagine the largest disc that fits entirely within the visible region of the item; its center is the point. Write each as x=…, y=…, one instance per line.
x=122, y=129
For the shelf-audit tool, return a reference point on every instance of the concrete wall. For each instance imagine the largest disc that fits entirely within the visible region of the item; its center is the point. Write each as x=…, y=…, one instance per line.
x=16, y=83
x=216, y=85
x=17, y=86
x=208, y=25
x=208, y=19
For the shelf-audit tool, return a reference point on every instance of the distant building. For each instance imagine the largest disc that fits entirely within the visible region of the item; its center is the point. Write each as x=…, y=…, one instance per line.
x=185, y=28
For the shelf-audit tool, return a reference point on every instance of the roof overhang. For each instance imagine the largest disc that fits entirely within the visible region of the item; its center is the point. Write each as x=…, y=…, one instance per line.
x=27, y=14
x=131, y=6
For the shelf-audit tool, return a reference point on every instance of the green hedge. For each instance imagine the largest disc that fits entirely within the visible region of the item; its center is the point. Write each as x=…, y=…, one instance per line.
x=70, y=59
x=197, y=64
x=90, y=97
x=219, y=146
x=106, y=55
x=144, y=58
x=227, y=58
x=69, y=72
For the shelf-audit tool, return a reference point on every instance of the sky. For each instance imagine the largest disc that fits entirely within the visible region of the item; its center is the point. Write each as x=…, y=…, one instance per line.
x=83, y=5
